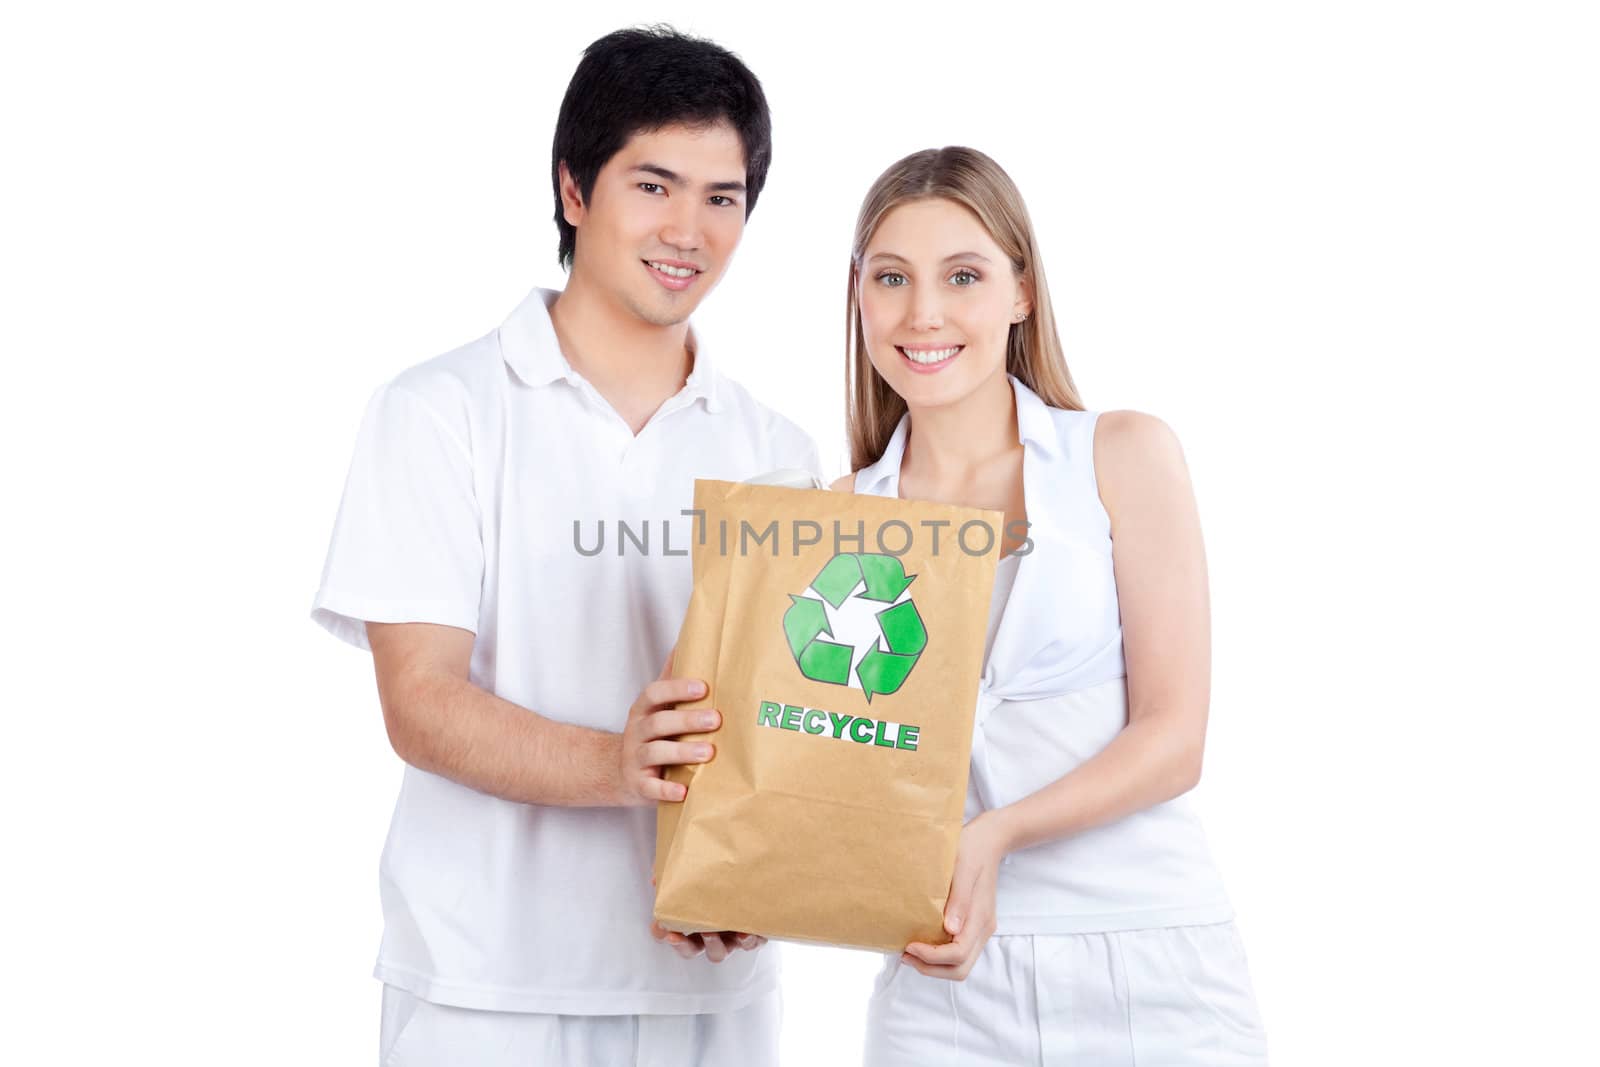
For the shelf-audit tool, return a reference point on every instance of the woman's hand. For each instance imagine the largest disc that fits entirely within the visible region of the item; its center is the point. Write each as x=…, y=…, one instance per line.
x=969, y=911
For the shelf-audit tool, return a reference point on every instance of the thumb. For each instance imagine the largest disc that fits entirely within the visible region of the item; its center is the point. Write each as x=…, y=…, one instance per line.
x=959, y=903
x=666, y=669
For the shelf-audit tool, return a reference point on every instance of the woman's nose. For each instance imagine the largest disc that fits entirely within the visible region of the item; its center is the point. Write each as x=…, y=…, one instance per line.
x=927, y=311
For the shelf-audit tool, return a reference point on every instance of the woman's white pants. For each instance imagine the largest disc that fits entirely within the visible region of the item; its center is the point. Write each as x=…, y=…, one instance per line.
x=1165, y=997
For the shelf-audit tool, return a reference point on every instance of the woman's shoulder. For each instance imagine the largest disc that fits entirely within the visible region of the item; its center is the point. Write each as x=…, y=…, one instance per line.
x=1128, y=432
x=846, y=484
x=1135, y=452
x=1092, y=440
x=1126, y=421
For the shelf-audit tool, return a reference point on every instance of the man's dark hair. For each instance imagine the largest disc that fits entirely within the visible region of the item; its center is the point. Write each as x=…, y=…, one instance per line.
x=643, y=79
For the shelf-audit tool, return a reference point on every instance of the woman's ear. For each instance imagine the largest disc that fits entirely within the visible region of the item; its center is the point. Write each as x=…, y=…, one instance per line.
x=1023, y=307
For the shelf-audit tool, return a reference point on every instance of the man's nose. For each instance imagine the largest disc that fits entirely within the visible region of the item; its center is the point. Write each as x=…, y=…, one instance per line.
x=683, y=229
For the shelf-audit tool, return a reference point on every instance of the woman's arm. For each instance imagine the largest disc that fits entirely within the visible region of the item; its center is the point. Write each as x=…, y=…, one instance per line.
x=1166, y=633
x=1160, y=567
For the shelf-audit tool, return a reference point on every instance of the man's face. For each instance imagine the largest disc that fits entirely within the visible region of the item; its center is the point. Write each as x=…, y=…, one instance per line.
x=665, y=215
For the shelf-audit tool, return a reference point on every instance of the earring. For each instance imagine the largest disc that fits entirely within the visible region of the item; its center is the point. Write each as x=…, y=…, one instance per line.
x=1021, y=318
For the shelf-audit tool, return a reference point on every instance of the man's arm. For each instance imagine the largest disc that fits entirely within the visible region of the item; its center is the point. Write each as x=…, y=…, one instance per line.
x=440, y=722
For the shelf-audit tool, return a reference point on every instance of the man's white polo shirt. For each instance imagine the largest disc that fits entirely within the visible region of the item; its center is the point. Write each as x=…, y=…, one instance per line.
x=483, y=483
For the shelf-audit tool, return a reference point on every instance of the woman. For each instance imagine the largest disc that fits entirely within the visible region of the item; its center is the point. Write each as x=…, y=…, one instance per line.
x=1088, y=924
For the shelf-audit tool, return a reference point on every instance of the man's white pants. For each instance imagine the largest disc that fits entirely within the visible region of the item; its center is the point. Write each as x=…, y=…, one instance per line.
x=417, y=1033
x=1178, y=996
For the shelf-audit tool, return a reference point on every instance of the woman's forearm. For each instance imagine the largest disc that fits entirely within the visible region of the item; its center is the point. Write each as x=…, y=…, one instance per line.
x=1149, y=762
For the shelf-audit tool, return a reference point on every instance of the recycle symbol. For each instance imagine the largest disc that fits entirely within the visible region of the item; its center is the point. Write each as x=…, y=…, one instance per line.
x=866, y=579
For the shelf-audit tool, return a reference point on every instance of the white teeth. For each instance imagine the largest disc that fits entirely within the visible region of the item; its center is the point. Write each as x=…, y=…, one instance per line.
x=930, y=355
x=674, y=272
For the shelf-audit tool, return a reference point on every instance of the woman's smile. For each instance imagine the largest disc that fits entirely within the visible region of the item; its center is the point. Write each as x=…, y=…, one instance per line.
x=929, y=358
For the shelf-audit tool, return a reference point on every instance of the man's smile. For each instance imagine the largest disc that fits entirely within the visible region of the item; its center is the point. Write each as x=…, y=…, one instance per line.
x=674, y=274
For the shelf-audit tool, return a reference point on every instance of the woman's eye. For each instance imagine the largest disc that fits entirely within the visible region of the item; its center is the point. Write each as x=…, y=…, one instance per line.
x=650, y=187
x=964, y=277
x=892, y=280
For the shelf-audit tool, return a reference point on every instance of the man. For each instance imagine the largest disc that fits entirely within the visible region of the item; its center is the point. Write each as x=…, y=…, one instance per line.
x=515, y=663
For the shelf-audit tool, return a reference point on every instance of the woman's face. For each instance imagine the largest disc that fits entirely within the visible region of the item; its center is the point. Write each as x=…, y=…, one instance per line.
x=938, y=298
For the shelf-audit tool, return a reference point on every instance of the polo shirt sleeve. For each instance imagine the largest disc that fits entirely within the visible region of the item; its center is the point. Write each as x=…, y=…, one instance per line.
x=813, y=460
x=804, y=453
x=407, y=544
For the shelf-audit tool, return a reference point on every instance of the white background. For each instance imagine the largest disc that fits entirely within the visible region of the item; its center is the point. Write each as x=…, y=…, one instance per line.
x=1348, y=251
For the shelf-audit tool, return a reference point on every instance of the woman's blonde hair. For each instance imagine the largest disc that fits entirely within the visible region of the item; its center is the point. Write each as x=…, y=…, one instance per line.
x=1033, y=350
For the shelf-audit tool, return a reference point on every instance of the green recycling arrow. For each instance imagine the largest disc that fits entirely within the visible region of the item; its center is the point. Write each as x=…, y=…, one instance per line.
x=888, y=663
x=884, y=577
x=804, y=624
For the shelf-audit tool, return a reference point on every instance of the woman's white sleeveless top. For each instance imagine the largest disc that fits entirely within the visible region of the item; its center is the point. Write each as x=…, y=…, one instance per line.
x=1054, y=693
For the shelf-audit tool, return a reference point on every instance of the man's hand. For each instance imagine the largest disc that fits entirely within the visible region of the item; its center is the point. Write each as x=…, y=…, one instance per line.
x=717, y=947
x=646, y=741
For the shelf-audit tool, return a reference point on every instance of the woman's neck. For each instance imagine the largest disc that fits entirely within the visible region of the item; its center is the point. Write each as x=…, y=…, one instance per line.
x=954, y=443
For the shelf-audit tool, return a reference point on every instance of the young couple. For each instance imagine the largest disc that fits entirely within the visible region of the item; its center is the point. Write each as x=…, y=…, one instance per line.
x=524, y=684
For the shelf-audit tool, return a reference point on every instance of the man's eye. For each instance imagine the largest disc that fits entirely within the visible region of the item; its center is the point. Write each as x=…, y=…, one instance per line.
x=650, y=187
x=964, y=277
x=892, y=279
x=722, y=201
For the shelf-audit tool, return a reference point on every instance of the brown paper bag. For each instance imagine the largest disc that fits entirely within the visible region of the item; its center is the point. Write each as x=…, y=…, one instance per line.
x=846, y=669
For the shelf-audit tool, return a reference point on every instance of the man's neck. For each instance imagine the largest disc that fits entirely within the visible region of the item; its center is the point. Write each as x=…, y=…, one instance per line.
x=635, y=365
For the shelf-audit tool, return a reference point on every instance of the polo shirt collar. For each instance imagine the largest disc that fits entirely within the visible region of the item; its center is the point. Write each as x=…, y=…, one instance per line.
x=529, y=346
x=1036, y=430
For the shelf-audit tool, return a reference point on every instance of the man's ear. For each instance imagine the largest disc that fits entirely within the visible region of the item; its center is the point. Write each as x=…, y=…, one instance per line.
x=571, y=199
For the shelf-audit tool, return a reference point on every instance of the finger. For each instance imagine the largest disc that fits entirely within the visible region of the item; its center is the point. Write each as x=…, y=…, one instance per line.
x=686, y=945
x=677, y=723
x=660, y=790
x=751, y=942
x=658, y=931
x=942, y=961
x=717, y=949
x=675, y=753
x=952, y=974
x=667, y=691
x=938, y=955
